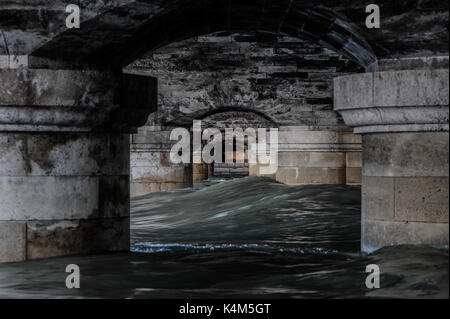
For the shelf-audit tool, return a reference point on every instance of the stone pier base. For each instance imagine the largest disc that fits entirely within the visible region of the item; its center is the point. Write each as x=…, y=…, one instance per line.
x=151, y=168
x=199, y=172
x=402, y=113
x=64, y=160
x=405, y=189
x=65, y=193
x=316, y=155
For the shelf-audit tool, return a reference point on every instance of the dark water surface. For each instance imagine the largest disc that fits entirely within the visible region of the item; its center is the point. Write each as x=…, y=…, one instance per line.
x=247, y=237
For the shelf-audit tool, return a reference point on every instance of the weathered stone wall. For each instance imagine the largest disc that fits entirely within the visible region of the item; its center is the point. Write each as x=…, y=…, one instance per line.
x=318, y=155
x=409, y=28
x=238, y=80
x=64, y=160
x=402, y=113
x=234, y=120
x=286, y=80
x=151, y=168
x=59, y=191
x=25, y=25
x=405, y=189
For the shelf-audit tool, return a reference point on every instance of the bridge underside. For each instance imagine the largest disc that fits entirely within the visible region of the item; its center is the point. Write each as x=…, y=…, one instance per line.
x=67, y=111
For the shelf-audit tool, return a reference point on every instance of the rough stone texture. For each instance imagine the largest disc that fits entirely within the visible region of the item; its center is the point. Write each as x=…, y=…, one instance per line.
x=231, y=169
x=13, y=241
x=68, y=237
x=199, y=172
x=403, y=114
x=376, y=234
x=411, y=88
x=378, y=195
x=71, y=175
x=77, y=101
x=353, y=169
x=406, y=154
x=235, y=80
x=408, y=173
x=430, y=206
x=13, y=61
x=49, y=154
x=57, y=87
x=392, y=88
x=409, y=28
x=285, y=80
x=231, y=80
x=353, y=176
x=310, y=175
x=395, y=101
x=244, y=120
x=296, y=168
x=26, y=24
x=318, y=138
x=316, y=155
x=65, y=179
x=32, y=33
x=414, y=63
x=185, y=19
x=313, y=159
x=355, y=90
x=151, y=168
x=405, y=190
x=4, y=62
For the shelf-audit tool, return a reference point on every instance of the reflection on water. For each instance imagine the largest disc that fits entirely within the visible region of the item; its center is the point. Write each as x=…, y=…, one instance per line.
x=248, y=237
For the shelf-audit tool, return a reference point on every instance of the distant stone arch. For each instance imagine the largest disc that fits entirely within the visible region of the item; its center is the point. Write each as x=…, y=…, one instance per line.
x=236, y=116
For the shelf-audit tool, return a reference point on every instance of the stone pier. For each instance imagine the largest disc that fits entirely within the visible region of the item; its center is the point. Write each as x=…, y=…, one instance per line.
x=317, y=155
x=201, y=172
x=151, y=168
x=401, y=111
x=64, y=160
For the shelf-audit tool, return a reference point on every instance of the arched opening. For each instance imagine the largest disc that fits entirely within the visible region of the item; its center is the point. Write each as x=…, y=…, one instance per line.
x=65, y=125
x=121, y=35
x=229, y=80
x=87, y=62
x=221, y=77
x=234, y=119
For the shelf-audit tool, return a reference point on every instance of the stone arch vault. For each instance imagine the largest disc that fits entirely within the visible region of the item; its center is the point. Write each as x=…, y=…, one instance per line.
x=121, y=35
x=66, y=112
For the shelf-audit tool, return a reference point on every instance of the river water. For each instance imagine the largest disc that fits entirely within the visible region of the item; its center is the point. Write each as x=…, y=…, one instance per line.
x=248, y=237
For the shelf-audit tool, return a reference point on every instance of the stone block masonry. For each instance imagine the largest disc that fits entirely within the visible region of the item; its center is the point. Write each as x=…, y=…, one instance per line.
x=233, y=80
x=402, y=113
x=151, y=168
x=317, y=155
x=64, y=160
x=287, y=80
x=66, y=113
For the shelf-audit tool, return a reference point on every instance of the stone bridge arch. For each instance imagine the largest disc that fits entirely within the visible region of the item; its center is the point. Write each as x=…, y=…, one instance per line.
x=66, y=119
x=121, y=35
x=151, y=169
x=232, y=118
